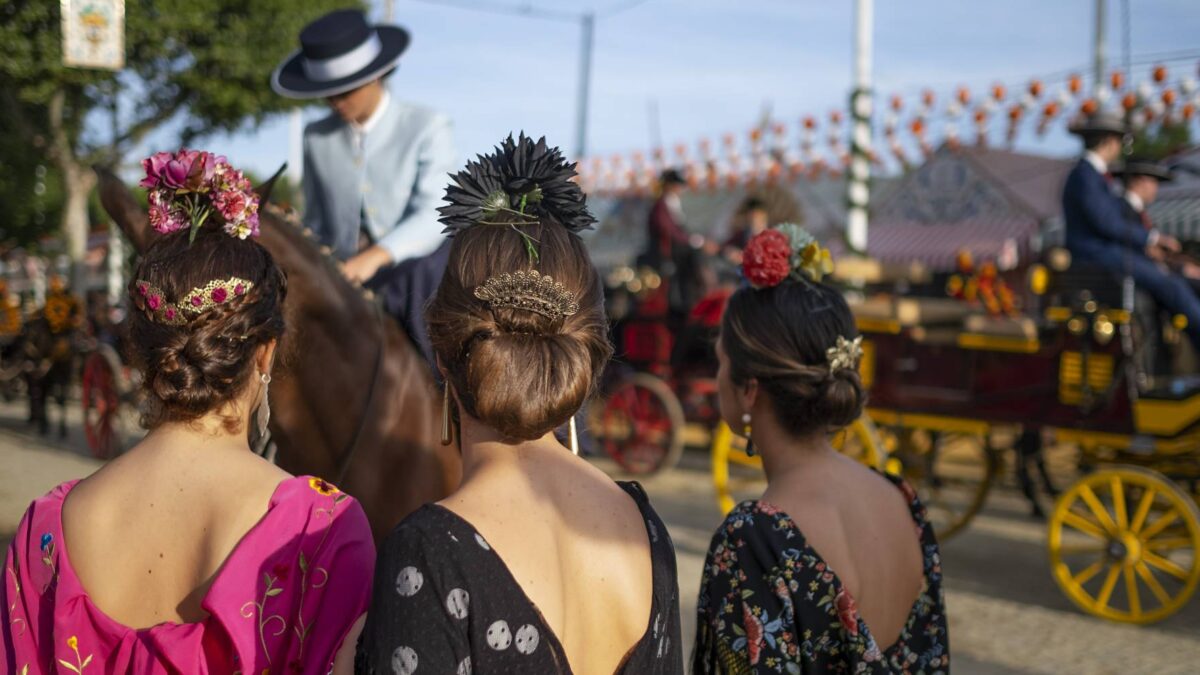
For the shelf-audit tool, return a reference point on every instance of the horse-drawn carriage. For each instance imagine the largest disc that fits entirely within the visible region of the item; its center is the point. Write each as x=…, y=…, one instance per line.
x=952, y=387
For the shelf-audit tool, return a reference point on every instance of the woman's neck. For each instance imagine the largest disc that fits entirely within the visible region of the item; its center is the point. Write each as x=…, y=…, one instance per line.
x=210, y=431
x=485, y=450
x=785, y=455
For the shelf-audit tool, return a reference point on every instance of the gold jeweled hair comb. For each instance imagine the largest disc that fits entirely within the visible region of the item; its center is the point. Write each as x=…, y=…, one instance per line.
x=529, y=291
x=194, y=303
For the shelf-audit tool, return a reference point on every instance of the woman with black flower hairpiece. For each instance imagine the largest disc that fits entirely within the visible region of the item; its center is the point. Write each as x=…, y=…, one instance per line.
x=835, y=568
x=538, y=563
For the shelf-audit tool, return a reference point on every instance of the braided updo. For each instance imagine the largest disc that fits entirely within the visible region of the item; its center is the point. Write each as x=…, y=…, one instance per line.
x=192, y=369
x=778, y=336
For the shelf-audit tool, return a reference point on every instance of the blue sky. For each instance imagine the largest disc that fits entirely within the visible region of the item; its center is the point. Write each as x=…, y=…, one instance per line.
x=710, y=66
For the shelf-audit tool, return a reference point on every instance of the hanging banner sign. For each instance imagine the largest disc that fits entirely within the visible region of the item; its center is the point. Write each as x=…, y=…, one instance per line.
x=93, y=33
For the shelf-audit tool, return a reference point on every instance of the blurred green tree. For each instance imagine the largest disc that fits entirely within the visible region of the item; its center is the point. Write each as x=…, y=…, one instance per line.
x=201, y=65
x=1161, y=140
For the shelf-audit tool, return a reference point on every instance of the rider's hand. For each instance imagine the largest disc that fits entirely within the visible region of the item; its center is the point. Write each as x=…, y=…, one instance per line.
x=1191, y=270
x=1156, y=252
x=711, y=247
x=1169, y=243
x=362, y=267
x=734, y=256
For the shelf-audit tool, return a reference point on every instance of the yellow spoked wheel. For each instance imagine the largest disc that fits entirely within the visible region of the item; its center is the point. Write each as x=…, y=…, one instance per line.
x=1124, y=545
x=733, y=470
x=952, y=473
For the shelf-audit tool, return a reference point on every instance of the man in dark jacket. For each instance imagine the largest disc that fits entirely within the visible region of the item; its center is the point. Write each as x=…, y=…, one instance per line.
x=1098, y=231
x=672, y=250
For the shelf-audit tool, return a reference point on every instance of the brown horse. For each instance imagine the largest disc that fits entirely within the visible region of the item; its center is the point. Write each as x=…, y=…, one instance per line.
x=353, y=401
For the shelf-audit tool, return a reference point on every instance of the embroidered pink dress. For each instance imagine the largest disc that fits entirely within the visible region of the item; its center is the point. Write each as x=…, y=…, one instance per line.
x=282, y=602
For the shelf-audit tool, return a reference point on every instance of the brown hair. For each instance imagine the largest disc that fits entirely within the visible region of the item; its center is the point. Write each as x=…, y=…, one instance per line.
x=193, y=369
x=517, y=371
x=779, y=336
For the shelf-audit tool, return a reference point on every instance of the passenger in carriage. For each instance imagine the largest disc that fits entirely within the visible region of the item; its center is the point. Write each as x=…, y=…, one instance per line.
x=835, y=569
x=375, y=168
x=674, y=251
x=1141, y=179
x=189, y=553
x=1098, y=232
x=538, y=562
x=752, y=218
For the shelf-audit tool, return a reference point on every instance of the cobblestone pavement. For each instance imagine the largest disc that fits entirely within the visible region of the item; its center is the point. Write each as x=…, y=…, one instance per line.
x=1006, y=614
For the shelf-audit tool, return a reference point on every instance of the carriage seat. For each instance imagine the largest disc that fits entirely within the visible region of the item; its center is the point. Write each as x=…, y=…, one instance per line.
x=913, y=312
x=1016, y=327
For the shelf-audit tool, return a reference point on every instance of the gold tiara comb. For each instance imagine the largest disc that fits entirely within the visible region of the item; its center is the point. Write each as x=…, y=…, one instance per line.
x=529, y=291
x=194, y=303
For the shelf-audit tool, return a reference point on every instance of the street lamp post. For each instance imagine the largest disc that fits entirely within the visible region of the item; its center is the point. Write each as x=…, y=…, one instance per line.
x=858, y=190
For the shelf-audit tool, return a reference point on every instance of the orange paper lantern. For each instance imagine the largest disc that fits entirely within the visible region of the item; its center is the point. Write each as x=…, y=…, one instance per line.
x=1160, y=74
x=1129, y=101
x=1117, y=79
x=928, y=98
x=835, y=116
x=1168, y=97
x=1188, y=111
x=810, y=123
x=1035, y=88
x=1075, y=84
x=980, y=116
x=897, y=103
x=1015, y=112
x=964, y=95
x=1089, y=107
x=998, y=92
x=918, y=126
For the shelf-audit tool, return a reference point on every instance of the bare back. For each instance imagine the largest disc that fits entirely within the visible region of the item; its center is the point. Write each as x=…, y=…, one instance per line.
x=861, y=526
x=147, y=533
x=578, y=547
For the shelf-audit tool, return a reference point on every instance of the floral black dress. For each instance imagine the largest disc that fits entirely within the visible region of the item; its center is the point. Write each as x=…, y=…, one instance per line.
x=447, y=603
x=769, y=604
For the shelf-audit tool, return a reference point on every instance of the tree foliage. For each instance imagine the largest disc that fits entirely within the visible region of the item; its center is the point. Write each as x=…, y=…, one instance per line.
x=202, y=65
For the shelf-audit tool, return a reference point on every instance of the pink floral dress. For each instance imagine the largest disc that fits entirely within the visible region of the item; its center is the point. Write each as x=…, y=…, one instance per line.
x=282, y=602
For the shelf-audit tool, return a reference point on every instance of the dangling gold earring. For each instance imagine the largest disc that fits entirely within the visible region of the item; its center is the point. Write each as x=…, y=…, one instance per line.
x=446, y=439
x=573, y=436
x=746, y=429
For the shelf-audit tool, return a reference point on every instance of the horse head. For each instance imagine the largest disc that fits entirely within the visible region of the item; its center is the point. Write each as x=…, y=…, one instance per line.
x=353, y=400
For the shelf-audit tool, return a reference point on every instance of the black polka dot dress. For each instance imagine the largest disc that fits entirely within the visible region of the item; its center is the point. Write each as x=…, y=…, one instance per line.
x=444, y=602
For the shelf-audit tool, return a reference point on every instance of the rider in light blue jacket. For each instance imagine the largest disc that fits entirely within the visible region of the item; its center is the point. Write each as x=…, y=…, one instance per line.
x=375, y=169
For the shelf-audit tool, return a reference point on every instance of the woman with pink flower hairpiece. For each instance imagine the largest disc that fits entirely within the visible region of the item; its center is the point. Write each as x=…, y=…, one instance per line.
x=189, y=553
x=835, y=568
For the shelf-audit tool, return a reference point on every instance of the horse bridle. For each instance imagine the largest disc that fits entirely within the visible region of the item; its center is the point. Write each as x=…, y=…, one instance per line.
x=352, y=446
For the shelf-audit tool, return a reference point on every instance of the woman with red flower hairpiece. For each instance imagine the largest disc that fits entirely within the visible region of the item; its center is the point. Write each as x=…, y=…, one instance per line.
x=770, y=599
x=189, y=553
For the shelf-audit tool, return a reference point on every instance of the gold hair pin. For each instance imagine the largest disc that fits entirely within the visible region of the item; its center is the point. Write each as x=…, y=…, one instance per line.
x=529, y=291
x=845, y=354
x=194, y=303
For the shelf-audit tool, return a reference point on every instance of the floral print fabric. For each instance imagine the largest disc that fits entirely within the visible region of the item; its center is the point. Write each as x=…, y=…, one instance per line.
x=769, y=604
x=446, y=603
x=283, y=601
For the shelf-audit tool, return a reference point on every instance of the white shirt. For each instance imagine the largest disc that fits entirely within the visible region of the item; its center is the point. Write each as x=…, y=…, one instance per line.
x=1097, y=163
x=360, y=131
x=1135, y=201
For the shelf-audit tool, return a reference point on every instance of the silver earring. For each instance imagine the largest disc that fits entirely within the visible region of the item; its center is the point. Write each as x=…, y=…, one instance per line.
x=574, y=437
x=264, y=408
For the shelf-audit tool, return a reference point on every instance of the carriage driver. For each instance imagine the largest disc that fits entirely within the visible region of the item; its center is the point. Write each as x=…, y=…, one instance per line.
x=376, y=168
x=1098, y=231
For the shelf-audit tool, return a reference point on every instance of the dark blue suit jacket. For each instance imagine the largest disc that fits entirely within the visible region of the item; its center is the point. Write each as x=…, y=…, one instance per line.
x=1097, y=230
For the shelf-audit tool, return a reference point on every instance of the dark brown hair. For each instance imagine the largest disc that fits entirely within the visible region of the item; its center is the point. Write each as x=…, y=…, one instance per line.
x=779, y=336
x=517, y=371
x=199, y=367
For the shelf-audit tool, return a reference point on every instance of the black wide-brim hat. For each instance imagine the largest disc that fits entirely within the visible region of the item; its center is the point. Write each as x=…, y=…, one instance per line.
x=1099, y=123
x=339, y=52
x=1144, y=167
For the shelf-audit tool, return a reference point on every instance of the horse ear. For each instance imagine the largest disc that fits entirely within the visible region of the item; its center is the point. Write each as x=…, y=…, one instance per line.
x=119, y=202
x=264, y=190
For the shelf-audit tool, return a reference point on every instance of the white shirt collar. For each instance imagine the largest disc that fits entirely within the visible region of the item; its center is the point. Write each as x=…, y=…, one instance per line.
x=1100, y=165
x=1135, y=201
x=373, y=121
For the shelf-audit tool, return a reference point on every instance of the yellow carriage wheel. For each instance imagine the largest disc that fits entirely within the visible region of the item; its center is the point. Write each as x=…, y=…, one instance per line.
x=1125, y=545
x=733, y=469
x=951, y=471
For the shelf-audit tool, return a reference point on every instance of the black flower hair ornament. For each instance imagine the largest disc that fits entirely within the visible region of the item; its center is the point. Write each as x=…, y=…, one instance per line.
x=516, y=185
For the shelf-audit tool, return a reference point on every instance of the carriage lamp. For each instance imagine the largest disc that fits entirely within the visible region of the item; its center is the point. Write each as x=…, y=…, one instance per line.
x=1103, y=329
x=1077, y=325
x=1090, y=307
x=1039, y=279
x=1180, y=322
